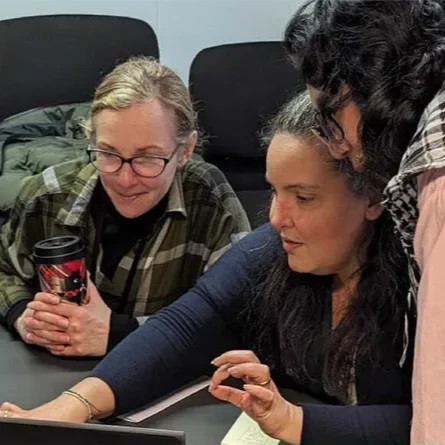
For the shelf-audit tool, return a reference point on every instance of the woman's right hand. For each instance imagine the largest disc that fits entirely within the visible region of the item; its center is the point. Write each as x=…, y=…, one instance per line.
x=259, y=398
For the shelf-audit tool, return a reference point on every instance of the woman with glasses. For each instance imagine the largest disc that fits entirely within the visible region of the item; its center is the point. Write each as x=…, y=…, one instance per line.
x=314, y=301
x=376, y=72
x=153, y=218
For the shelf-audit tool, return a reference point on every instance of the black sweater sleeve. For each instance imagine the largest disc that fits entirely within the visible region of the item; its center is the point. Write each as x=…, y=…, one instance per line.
x=360, y=424
x=177, y=344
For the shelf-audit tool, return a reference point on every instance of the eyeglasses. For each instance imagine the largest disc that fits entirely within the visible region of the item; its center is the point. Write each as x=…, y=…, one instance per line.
x=145, y=166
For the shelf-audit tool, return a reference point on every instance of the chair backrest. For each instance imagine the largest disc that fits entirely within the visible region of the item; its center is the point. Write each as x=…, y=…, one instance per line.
x=59, y=59
x=237, y=88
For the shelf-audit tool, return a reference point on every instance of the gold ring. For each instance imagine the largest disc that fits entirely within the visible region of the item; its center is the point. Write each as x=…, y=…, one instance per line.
x=265, y=383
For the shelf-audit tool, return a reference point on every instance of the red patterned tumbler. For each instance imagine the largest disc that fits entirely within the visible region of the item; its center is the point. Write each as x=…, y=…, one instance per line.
x=61, y=268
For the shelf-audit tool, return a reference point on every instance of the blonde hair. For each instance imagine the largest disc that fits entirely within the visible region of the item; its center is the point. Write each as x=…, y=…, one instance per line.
x=140, y=79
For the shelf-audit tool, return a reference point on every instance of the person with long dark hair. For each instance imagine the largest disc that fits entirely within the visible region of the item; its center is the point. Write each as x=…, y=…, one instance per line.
x=315, y=300
x=376, y=72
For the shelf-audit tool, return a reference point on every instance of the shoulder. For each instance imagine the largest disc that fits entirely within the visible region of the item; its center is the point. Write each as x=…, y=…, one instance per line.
x=204, y=185
x=202, y=175
x=56, y=180
x=426, y=148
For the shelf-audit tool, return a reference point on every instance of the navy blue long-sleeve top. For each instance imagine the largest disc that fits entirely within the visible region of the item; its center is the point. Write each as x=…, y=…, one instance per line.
x=177, y=344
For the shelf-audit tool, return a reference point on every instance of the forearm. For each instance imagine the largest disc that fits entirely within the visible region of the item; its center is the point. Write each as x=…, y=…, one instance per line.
x=99, y=394
x=14, y=290
x=17, y=239
x=67, y=408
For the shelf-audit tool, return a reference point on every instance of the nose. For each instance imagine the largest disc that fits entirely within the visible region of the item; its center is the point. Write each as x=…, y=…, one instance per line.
x=280, y=214
x=126, y=176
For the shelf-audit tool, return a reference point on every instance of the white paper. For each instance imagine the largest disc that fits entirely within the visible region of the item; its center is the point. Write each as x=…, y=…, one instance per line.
x=245, y=431
x=157, y=407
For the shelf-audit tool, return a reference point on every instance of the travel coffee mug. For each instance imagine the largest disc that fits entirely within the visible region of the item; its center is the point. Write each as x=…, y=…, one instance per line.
x=61, y=267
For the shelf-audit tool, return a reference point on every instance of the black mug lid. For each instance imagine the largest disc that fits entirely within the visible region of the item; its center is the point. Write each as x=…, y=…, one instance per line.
x=58, y=247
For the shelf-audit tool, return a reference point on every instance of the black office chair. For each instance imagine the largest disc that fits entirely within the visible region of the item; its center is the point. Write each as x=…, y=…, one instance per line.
x=237, y=88
x=60, y=59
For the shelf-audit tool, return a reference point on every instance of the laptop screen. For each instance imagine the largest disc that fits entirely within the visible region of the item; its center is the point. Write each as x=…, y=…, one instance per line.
x=33, y=432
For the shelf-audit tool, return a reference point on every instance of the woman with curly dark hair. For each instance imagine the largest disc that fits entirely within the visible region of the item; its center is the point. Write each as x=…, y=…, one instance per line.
x=376, y=72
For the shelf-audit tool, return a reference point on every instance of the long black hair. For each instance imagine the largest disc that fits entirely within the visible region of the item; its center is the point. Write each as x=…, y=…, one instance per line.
x=390, y=55
x=287, y=308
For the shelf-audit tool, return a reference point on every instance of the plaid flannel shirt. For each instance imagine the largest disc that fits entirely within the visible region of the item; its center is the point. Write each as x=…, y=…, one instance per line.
x=202, y=220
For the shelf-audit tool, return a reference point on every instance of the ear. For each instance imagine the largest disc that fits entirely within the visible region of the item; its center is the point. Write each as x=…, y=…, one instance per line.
x=357, y=159
x=349, y=117
x=186, y=153
x=338, y=150
x=373, y=211
x=343, y=149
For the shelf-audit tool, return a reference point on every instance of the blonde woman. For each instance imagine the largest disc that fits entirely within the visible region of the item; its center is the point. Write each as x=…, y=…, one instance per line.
x=152, y=217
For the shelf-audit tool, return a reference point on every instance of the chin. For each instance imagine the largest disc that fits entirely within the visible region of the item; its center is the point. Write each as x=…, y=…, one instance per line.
x=134, y=207
x=308, y=269
x=131, y=214
x=298, y=266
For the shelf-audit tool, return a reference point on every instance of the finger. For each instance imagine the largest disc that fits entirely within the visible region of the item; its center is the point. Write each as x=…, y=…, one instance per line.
x=53, y=337
x=11, y=408
x=47, y=298
x=53, y=319
x=256, y=373
x=235, y=357
x=35, y=325
x=220, y=375
x=55, y=348
x=60, y=352
x=67, y=351
x=44, y=338
x=260, y=394
x=228, y=394
x=63, y=309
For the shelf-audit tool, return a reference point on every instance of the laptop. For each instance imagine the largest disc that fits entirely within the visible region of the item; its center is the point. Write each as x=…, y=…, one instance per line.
x=39, y=432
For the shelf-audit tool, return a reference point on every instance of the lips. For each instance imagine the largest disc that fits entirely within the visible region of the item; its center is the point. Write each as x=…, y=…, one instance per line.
x=289, y=241
x=132, y=196
x=290, y=245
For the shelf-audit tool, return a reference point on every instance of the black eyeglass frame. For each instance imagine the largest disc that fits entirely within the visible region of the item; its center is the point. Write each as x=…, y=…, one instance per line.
x=166, y=159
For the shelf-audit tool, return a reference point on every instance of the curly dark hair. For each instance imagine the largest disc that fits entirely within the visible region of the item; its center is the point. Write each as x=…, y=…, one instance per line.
x=391, y=56
x=286, y=309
